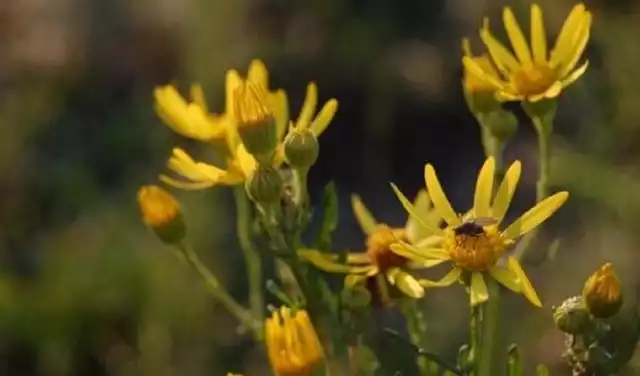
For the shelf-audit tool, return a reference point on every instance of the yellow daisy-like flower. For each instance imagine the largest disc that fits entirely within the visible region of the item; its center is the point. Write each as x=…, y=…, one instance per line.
x=533, y=73
x=379, y=263
x=292, y=343
x=474, y=242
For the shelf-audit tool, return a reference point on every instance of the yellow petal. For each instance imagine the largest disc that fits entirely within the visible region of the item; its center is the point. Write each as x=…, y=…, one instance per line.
x=414, y=253
x=538, y=35
x=477, y=70
x=439, y=198
x=527, y=289
x=536, y=215
x=327, y=263
x=280, y=104
x=484, y=188
x=518, y=42
x=197, y=96
x=354, y=279
x=186, y=185
x=502, y=57
x=422, y=205
x=448, y=280
x=571, y=78
x=364, y=217
x=478, y=291
x=324, y=117
x=424, y=264
x=574, y=54
x=567, y=34
x=248, y=163
x=258, y=73
x=232, y=81
x=309, y=107
x=505, y=191
x=405, y=283
x=505, y=278
x=406, y=204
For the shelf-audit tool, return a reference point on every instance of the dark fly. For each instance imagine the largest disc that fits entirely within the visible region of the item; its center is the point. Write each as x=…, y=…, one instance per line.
x=474, y=226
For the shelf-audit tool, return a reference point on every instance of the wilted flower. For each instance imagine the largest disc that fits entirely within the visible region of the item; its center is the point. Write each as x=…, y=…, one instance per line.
x=161, y=212
x=292, y=343
x=379, y=263
x=474, y=243
x=535, y=74
x=602, y=292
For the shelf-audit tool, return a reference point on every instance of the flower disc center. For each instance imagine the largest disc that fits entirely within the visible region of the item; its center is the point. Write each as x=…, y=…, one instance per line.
x=477, y=252
x=532, y=79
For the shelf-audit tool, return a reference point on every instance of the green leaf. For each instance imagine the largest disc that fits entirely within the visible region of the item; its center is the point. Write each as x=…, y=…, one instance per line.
x=329, y=217
x=367, y=360
x=514, y=361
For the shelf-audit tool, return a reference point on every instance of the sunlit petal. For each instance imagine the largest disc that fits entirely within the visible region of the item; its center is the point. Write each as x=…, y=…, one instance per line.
x=536, y=215
x=408, y=206
x=505, y=278
x=448, y=280
x=309, y=106
x=572, y=57
x=476, y=69
x=258, y=73
x=324, y=117
x=565, y=38
x=502, y=57
x=364, y=217
x=327, y=263
x=439, y=198
x=233, y=80
x=527, y=289
x=571, y=78
x=538, y=35
x=405, y=282
x=518, y=41
x=505, y=191
x=478, y=290
x=484, y=188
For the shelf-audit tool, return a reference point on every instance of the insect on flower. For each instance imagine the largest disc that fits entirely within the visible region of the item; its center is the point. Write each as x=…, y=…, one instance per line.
x=474, y=226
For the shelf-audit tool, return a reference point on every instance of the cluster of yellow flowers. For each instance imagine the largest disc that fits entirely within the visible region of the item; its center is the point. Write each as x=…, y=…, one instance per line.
x=255, y=131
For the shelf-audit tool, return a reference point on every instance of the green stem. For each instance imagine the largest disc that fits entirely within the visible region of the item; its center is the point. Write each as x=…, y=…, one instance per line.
x=218, y=292
x=544, y=157
x=474, y=331
x=301, y=190
x=251, y=255
x=417, y=329
x=493, y=147
x=489, y=331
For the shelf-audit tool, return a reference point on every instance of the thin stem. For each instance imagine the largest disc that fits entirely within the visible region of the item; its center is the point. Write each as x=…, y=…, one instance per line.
x=493, y=147
x=301, y=192
x=489, y=331
x=251, y=255
x=544, y=157
x=218, y=292
x=417, y=329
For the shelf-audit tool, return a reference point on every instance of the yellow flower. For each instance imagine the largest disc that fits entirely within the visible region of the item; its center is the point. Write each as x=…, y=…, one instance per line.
x=292, y=343
x=201, y=175
x=379, y=262
x=255, y=120
x=240, y=163
x=161, y=212
x=472, y=83
x=535, y=74
x=602, y=292
x=474, y=243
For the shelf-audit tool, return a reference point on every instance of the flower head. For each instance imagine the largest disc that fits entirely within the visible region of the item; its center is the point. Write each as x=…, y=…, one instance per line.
x=602, y=292
x=475, y=241
x=161, y=212
x=292, y=343
x=378, y=264
x=533, y=73
x=255, y=120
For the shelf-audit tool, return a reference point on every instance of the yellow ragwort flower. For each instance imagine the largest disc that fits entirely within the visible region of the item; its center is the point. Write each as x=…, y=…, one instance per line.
x=255, y=120
x=474, y=242
x=293, y=345
x=240, y=163
x=472, y=83
x=533, y=73
x=161, y=212
x=602, y=292
x=379, y=263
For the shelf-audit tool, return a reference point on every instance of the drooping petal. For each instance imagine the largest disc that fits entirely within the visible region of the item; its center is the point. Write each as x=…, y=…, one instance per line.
x=478, y=291
x=439, y=198
x=502, y=57
x=505, y=191
x=448, y=280
x=364, y=217
x=518, y=41
x=309, y=106
x=527, y=289
x=484, y=188
x=573, y=76
x=248, y=163
x=405, y=282
x=536, y=215
x=505, y=278
x=408, y=206
x=565, y=38
x=324, y=117
x=538, y=35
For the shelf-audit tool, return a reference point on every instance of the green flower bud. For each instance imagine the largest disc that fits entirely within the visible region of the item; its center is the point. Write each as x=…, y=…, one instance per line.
x=301, y=148
x=572, y=316
x=501, y=124
x=161, y=212
x=265, y=185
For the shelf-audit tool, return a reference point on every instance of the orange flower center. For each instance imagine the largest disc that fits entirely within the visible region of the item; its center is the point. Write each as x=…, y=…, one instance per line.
x=532, y=79
x=475, y=252
x=379, y=247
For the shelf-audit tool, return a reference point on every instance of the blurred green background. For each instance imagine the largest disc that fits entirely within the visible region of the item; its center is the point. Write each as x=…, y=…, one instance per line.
x=85, y=289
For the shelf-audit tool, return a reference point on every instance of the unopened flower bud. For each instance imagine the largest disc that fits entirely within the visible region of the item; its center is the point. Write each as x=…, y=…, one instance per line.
x=301, y=148
x=161, y=212
x=265, y=185
x=602, y=292
x=502, y=124
x=255, y=120
x=572, y=316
